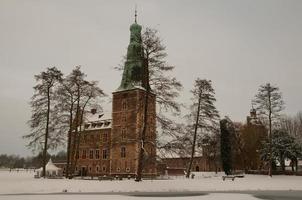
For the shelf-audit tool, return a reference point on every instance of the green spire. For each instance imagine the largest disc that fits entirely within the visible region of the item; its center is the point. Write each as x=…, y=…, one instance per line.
x=133, y=74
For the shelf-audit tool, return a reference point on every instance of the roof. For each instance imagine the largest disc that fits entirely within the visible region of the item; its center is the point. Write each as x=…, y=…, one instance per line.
x=169, y=153
x=50, y=166
x=97, y=121
x=89, y=117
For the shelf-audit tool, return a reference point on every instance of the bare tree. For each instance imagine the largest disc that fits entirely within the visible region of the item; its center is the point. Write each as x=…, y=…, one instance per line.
x=204, y=113
x=269, y=103
x=162, y=83
x=90, y=96
x=42, y=104
x=76, y=94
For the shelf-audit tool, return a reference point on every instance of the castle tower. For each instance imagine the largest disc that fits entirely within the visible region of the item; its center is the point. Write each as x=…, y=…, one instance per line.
x=128, y=114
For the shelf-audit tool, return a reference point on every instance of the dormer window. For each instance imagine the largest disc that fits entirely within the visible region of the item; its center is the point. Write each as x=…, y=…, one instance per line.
x=87, y=126
x=99, y=125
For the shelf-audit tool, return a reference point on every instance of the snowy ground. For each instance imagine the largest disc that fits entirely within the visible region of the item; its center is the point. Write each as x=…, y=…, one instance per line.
x=24, y=183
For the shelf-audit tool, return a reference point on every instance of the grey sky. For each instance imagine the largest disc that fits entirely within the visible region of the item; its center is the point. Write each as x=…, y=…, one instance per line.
x=238, y=44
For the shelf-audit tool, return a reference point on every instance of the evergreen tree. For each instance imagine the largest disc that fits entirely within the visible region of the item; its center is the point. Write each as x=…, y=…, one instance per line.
x=43, y=111
x=227, y=132
x=204, y=114
x=269, y=104
x=283, y=147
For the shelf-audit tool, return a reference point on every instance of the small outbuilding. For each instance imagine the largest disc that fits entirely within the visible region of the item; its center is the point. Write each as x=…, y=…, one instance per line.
x=52, y=171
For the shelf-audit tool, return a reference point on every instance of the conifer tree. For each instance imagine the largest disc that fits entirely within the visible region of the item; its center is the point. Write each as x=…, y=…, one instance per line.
x=268, y=102
x=42, y=121
x=227, y=134
x=204, y=114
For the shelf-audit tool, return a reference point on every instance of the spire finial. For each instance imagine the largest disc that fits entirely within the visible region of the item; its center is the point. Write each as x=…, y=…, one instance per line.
x=135, y=15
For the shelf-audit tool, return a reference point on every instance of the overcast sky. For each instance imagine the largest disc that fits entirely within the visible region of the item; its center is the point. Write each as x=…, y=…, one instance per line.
x=238, y=44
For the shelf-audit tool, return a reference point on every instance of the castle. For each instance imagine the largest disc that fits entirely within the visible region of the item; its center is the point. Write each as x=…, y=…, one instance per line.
x=110, y=144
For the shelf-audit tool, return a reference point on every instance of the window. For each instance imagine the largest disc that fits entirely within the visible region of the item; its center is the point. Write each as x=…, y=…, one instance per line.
x=91, y=154
x=104, y=168
x=87, y=126
x=97, y=154
x=84, y=154
x=97, y=168
x=123, y=134
x=124, y=104
x=77, y=155
x=124, y=118
x=105, y=136
x=105, y=153
x=123, y=152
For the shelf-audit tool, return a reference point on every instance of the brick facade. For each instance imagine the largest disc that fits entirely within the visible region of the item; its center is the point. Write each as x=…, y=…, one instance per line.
x=113, y=150
x=127, y=125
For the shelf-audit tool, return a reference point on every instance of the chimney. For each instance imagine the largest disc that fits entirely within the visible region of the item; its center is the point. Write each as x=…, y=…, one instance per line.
x=93, y=111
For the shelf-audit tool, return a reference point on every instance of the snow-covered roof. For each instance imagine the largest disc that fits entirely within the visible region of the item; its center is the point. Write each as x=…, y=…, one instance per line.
x=169, y=153
x=95, y=121
x=90, y=117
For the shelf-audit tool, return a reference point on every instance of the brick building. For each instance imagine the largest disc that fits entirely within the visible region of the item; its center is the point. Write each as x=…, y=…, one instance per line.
x=110, y=144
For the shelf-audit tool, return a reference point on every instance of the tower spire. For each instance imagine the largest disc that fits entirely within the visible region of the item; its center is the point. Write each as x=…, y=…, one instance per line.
x=135, y=15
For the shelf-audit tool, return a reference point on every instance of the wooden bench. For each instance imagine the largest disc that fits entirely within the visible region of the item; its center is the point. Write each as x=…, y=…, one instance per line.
x=228, y=177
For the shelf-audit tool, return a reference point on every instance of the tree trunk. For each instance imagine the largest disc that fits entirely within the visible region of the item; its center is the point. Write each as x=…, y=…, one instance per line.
x=145, y=78
x=79, y=134
x=75, y=135
x=46, y=133
x=69, y=141
x=142, y=150
x=194, y=137
x=270, y=173
x=282, y=163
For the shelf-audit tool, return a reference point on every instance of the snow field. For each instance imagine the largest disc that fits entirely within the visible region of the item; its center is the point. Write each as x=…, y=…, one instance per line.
x=23, y=182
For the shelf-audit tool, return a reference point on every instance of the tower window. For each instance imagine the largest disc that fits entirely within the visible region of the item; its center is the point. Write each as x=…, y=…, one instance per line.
x=123, y=152
x=124, y=105
x=123, y=134
x=124, y=118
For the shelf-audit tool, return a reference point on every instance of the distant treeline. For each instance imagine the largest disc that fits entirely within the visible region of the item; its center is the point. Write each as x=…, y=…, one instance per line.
x=16, y=161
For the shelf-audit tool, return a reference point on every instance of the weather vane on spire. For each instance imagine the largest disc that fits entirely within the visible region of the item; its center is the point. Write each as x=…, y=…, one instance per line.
x=135, y=15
